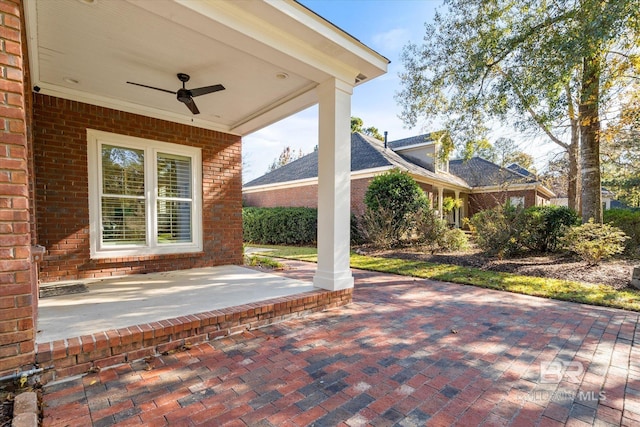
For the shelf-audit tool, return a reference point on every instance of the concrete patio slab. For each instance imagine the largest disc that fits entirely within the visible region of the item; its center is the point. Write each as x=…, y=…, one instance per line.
x=406, y=352
x=132, y=300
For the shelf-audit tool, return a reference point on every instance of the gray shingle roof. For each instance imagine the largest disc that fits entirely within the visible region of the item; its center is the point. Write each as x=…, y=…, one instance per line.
x=479, y=172
x=519, y=169
x=363, y=156
x=414, y=140
x=366, y=153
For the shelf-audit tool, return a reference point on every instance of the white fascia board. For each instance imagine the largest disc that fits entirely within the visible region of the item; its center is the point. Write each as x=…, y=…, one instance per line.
x=439, y=183
x=366, y=173
x=512, y=187
x=409, y=147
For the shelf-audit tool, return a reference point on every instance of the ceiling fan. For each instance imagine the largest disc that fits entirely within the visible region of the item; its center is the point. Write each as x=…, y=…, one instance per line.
x=185, y=95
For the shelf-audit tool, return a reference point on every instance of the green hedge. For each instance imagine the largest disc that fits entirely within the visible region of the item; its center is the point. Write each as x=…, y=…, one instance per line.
x=628, y=221
x=280, y=226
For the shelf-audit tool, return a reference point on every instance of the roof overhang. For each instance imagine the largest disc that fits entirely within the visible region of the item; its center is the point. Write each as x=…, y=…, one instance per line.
x=269, y=54
x=514, y=187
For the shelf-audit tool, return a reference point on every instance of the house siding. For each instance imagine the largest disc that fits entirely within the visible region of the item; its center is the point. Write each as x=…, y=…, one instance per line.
x=305, y=196
x=62, y=214
x=18, y=300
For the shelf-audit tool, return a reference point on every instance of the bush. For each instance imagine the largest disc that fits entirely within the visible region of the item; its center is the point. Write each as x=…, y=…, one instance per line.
x=539, y=228
x=495, y=230
x=280, y=226
x=392, y=200
x=432, y=232
x=377, y=228
x=594, y=242
x=628, y=221
x=454, y=240
x=508, y=230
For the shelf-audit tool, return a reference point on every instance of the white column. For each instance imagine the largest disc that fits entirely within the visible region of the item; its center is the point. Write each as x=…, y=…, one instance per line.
x=440, y=197
x=458, y=210
x=334, y=186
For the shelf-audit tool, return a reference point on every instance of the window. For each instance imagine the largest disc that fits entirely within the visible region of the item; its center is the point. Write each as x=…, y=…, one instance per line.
x=516, y=201
x=144, y=196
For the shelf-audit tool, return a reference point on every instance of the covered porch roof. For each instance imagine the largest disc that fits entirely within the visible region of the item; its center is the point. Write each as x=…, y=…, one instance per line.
x=270, y=55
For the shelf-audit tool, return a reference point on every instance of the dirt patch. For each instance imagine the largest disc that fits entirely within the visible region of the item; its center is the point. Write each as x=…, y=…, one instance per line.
x=616, y=273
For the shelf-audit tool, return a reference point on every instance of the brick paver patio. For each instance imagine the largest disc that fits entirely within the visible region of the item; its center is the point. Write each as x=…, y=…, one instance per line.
x=407, y=352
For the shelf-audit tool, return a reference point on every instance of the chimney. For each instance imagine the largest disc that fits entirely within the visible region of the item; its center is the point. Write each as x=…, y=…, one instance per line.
x=385, y=139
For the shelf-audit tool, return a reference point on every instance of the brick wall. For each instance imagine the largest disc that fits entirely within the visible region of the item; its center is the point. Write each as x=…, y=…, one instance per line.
x=481, y=201
x=17, y=301
x=62, y=208
x=305, y=196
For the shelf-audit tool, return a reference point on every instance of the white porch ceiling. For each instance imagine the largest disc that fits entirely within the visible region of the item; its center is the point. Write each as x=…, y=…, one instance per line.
x=86, y=50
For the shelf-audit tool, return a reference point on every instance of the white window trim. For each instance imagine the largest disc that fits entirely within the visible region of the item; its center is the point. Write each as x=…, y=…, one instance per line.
x=94, y=139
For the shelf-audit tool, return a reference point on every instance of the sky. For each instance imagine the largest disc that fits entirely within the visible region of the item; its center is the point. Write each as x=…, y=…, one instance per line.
x=386, y=26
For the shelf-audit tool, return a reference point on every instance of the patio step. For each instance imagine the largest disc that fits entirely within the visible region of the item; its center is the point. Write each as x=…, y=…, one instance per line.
x=87, y=353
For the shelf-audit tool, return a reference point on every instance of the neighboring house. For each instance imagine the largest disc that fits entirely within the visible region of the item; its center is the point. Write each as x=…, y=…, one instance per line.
x=100, y=177
x=478, y=182
x=608, y=201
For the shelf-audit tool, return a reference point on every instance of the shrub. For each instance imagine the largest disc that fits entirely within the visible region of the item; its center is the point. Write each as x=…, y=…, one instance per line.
x=432, y=232
x=539, y=228
x=376, y=227
x=508, y=230
x=628, y=221
x=454, y=240
x=392, y=200
x=288, y=226
x=495, y=230
x=594, y=242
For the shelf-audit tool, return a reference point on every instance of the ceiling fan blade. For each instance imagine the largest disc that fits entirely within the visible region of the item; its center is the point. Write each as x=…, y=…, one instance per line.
x=151, y=87
x=191, y=106
x=205, y=90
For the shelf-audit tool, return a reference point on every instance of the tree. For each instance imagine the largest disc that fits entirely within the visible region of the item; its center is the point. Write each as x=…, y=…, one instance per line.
x=544, y=66
x=357, y=126
x=621, y=152
x=287, y=156
x=505, y=152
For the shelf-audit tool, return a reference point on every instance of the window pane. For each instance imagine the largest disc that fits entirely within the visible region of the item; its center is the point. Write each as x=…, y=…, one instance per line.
x=174, y=176
x=123, y=221
x=122, y=171
x=174, y=221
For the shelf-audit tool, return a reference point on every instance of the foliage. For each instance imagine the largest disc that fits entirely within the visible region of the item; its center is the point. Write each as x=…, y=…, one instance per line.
x=543, y=66
x=290, y=226
x=377, y=227
x=507, y=230
x=504, y=152
x=392, y=200
x=287, y=156
x=357, y=126
x=494, y=230
x=449, y=204
x=628, y=221
x=540, y=228
x=262, y=261
x=432, y=233
x=594, y=242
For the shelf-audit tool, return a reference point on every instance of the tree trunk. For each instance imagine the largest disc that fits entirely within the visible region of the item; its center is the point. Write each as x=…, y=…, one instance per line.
x=573, y=192
x=590, y=140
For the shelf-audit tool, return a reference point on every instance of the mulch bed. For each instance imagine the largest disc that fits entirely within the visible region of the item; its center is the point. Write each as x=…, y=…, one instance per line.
x=616, y=273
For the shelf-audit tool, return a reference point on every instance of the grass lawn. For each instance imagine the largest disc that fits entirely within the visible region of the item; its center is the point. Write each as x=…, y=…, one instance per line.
x=541, y=287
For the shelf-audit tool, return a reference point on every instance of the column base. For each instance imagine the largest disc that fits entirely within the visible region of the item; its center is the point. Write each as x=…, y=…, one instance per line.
x=333, y=281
